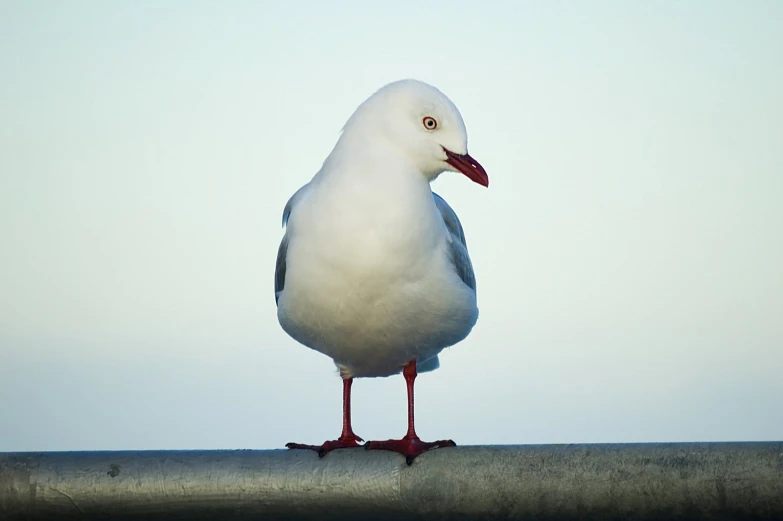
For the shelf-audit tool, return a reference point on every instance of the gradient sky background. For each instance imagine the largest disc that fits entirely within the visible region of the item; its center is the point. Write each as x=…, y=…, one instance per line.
x=628, y=250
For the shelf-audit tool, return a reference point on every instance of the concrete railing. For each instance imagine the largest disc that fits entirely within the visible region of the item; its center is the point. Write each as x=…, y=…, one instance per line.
x=687, y=481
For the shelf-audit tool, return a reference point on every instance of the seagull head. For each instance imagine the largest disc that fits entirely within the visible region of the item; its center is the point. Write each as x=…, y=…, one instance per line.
x=420, y=122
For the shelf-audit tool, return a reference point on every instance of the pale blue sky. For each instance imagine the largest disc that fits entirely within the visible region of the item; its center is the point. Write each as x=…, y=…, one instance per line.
x=628, y=251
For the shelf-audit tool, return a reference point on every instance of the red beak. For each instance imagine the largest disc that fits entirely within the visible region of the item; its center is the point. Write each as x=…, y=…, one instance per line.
x=468, y=166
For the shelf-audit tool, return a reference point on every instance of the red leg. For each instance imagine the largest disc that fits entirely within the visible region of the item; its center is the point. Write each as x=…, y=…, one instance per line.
x=347, y=439
x=410, y=445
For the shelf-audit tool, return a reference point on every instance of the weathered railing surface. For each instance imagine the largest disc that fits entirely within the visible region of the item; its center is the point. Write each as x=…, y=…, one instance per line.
x=688, y=481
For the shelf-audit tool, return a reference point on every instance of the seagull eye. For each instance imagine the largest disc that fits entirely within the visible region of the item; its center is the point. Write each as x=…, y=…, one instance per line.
x=430, y=123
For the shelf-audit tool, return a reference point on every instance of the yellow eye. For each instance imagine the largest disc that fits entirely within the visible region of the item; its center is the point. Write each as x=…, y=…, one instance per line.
x=430, y=123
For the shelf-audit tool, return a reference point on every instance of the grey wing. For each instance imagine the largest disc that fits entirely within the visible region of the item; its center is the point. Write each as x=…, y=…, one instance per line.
x=282, y=251
x=280, y=268
x=458, y=245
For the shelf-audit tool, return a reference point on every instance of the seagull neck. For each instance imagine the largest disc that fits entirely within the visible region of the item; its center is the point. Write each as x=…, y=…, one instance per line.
x=366, y=157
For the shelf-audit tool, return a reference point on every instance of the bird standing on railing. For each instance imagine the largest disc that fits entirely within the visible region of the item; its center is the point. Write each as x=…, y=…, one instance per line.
x=373, y=269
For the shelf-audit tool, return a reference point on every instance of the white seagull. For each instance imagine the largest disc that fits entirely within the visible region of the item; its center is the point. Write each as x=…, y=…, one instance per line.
x=373, y=270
